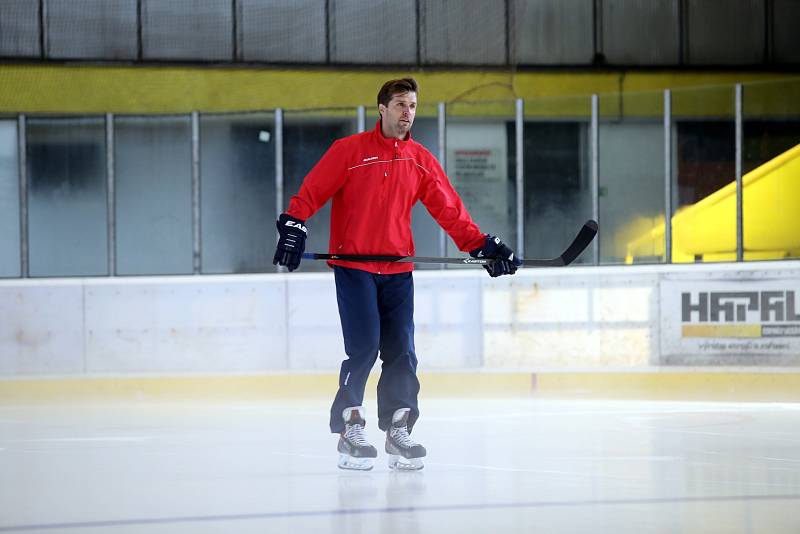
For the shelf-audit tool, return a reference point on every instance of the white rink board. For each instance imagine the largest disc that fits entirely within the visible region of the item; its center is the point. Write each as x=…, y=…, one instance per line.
x=41, y=328
x=314, y=339
x=184, y=327
x=448, y=320
x=582, y=317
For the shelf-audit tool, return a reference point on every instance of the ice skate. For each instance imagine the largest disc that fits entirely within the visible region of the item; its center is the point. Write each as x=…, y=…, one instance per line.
x=404, y=454
x=355, y=452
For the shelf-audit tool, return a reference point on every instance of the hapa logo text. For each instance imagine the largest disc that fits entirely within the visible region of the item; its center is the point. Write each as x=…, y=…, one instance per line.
x=738, y=306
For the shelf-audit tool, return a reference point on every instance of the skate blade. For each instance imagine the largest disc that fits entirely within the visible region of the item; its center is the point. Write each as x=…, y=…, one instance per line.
x=398, y=463
x=354, y=464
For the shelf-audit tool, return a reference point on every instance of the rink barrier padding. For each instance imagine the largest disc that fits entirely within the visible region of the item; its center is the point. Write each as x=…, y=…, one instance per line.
x=771, y=386
x=755, y=386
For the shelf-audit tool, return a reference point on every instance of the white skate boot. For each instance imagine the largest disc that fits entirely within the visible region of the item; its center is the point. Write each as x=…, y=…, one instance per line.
x=404, y=454
x=355, y=452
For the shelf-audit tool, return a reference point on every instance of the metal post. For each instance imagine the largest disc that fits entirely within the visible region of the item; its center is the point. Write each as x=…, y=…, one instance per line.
x=667, y=176
x=362, y=119
x=520, y=128
x=196, y=244
x=22, y=146
x=111, y=201
x=739, y=189
x=278, y=167
x=595, y=166
x=442, y=130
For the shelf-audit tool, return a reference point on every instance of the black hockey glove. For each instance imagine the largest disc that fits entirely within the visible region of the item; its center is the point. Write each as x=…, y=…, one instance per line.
x=291, y=243
x=507, y=262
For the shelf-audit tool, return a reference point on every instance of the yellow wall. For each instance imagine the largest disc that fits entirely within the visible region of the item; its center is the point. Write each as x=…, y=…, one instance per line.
x=153, y=89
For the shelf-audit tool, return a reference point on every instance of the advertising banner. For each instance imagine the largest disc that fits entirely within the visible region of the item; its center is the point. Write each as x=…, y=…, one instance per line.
x=748, y=317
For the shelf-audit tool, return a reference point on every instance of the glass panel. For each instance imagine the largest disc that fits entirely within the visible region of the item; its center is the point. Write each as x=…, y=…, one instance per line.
x=153, y=157
x=481, y=167
x=558, y=192
x=307, y=135
x=9, y=201
x=237, y=174
x=704, y=195
x=423, y=226
x=771, y=161
x=67, y=211
x=631, y=137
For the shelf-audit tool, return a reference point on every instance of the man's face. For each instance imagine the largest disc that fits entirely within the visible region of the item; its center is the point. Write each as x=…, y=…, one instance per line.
x=398, y=116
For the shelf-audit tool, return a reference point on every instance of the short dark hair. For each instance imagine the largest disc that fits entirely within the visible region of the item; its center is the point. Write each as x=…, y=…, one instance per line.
x=396, y=87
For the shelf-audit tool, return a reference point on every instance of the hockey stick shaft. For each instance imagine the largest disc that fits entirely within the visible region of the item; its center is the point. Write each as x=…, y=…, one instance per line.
x=578, y=245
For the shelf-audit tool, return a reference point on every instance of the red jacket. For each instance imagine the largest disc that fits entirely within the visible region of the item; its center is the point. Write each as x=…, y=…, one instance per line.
x=374, y=182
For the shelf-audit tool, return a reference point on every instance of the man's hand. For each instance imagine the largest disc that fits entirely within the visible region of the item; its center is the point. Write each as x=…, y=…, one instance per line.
x=506, y=261
x=291, y=243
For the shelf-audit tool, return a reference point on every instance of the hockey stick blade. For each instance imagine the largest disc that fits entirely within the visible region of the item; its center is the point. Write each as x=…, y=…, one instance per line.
x=578, y=245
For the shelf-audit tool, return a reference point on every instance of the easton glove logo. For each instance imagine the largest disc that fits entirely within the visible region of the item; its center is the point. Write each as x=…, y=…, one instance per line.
x=297, y=225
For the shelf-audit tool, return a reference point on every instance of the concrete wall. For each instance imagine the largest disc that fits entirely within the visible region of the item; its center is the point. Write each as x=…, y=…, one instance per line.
x=612, y=318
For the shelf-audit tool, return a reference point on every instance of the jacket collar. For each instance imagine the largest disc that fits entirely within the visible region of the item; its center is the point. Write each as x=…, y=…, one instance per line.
x=389, y=142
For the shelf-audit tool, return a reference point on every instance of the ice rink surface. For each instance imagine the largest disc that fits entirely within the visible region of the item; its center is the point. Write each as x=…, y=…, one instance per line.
x=494, y=465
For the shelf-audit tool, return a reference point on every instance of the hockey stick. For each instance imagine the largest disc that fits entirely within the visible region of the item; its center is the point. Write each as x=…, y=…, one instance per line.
x=578, y=245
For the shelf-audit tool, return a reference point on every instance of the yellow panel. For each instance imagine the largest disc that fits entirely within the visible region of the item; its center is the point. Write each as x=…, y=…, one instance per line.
x=473, y=384
x=254, y=387
x=672, y=385
x=721, y=330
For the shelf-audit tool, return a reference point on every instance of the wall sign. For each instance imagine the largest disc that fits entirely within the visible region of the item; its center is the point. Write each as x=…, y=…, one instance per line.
x=736, y=318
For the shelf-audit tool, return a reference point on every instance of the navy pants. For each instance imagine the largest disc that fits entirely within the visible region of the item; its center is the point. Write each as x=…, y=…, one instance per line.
x=377, y=314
